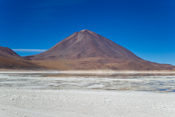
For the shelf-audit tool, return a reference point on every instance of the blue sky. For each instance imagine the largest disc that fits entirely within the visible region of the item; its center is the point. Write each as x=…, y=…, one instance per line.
x=145, y=27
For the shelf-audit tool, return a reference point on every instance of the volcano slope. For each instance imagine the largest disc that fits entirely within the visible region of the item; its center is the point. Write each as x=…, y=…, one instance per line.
x=88, y=50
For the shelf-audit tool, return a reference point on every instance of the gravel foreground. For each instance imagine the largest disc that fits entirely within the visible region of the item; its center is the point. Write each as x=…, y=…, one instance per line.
x=76, y=103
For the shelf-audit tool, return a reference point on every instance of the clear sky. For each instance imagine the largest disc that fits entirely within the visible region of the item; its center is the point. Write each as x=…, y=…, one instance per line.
x=145, y=27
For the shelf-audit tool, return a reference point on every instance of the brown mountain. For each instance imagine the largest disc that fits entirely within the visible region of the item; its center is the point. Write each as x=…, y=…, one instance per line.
x=6, y=63
x=88, y=50
x=10, y=60
x=8, y=53
x=85, y=44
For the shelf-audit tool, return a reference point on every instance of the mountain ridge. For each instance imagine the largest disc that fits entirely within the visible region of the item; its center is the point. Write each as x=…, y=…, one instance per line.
x=83, y=50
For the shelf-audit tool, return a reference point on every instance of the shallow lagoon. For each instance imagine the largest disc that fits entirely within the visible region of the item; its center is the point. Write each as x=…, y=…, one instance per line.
x=118, y=82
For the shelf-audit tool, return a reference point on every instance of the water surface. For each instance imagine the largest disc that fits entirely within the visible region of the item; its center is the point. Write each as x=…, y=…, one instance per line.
x=118, y=82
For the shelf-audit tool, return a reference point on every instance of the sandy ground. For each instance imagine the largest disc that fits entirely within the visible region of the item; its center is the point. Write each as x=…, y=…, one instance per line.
x=74, y=103
x=38, y=94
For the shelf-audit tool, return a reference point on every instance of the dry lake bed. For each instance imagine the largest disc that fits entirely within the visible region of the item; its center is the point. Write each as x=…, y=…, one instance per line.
x=56, y=94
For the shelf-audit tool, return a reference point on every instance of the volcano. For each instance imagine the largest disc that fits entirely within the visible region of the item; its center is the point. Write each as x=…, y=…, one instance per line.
x=88, y=50
x=86, y=44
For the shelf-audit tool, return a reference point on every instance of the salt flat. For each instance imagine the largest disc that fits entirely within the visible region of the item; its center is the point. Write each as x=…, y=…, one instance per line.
x=61, y=103
x=59, y=95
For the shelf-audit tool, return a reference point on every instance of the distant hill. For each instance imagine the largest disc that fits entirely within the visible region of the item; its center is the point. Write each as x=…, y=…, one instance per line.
x=10, y=60
x=8, y=53
x=88, y=50
x=6, y=63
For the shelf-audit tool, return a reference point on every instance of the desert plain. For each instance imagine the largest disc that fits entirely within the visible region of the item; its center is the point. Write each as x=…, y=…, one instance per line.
x=87, y=94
